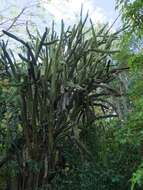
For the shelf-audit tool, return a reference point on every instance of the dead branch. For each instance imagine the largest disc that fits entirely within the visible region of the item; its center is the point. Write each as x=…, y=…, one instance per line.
x=14, y=20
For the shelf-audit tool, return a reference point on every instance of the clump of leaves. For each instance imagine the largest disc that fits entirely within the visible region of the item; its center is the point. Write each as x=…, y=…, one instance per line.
x=132, y=15
x=137, y=177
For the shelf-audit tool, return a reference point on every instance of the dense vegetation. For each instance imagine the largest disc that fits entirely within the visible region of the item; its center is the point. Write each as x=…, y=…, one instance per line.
x=71, y=107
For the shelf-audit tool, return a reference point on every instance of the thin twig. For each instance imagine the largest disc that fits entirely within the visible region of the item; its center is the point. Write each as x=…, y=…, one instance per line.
x=113, y=23
x=14, y=20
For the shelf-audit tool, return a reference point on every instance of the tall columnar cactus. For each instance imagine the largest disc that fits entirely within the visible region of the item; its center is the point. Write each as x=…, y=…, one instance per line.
x=61, y=83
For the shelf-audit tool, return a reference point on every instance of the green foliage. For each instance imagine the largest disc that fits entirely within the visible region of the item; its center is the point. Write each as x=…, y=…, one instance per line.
x=137, y=177
x=132, y=15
